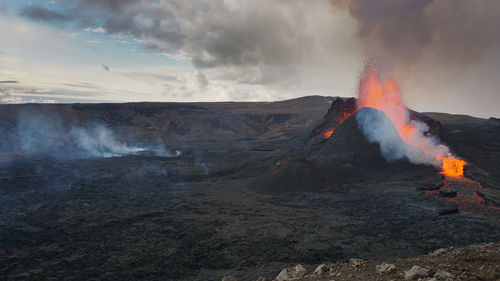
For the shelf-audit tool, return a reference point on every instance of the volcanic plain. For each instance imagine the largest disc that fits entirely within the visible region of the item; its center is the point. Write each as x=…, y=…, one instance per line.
x=217, y=189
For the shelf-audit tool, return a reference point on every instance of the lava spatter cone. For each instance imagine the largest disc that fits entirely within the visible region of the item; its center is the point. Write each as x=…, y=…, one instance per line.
x=347, y=156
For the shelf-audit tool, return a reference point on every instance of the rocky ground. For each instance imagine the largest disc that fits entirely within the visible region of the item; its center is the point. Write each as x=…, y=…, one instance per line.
x=474, y=262
x=245, y=208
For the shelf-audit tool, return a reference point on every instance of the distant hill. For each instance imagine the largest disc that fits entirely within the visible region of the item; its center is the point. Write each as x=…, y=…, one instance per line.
x=455, y=119
x=218, y=121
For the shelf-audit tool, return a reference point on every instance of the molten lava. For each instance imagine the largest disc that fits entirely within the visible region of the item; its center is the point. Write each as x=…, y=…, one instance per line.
x=384, y=95
x=453, y=167
x=328, y=133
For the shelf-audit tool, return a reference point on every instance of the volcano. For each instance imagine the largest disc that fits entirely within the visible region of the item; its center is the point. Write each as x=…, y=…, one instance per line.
x=346, y=156
x=255, y=188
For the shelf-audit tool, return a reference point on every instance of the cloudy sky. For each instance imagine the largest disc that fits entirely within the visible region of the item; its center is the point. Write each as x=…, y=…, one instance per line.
x=445, y=54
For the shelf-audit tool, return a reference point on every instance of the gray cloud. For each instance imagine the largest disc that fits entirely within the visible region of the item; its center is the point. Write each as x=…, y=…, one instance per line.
x=9, y=82
x=213, y=33
x=36, y=12
x=218, y=32
x=433, y=48
x=447, y=31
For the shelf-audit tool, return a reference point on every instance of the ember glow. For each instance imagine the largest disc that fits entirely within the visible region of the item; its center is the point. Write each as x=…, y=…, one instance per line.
x=384, y=95
x=328, y=133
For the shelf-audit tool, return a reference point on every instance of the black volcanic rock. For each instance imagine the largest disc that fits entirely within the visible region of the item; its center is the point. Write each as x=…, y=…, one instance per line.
x=344, y=157
x=347, y=145
x=342, y=108
x=338, y=111
x=448, y=193
x=192, y=217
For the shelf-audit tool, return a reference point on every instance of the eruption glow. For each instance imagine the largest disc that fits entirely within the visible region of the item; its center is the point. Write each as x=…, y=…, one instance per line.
x=329, y=132
x=384, y=95
x=453, y=167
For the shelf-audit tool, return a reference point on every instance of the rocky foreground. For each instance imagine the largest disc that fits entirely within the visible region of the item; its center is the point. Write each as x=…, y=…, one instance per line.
x=474, y=262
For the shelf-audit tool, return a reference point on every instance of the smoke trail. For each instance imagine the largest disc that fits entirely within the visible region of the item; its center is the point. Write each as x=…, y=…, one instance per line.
x=100, y=142
x=44, y=134
x=37, y=133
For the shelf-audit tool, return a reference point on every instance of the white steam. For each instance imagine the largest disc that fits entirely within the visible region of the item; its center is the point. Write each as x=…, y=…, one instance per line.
x=100, y=142
x=377, y=127
x=43, y=134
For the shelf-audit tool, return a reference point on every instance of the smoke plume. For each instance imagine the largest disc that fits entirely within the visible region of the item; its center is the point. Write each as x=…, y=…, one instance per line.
x=383, y=118
x=454, y=32
x=378, y=128
x=100, y=142
x=44, y=134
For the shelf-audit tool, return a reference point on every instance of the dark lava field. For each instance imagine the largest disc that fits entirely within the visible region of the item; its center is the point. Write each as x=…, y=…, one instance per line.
x=197, y=191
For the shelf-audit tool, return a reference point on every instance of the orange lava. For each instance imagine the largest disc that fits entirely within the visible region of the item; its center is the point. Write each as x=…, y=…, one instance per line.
x=468, y=198
x=453, y=167
x=384, y=95
x=329, y=132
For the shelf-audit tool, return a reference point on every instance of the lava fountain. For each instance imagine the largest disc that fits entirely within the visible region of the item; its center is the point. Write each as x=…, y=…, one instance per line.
x=385, y=95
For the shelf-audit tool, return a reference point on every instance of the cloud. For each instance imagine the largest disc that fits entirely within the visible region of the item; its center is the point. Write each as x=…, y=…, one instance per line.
x=96, y=30
x=440, y=51
x=39, y=13
x=9, y=82
x=218, y=33
x=451, y=32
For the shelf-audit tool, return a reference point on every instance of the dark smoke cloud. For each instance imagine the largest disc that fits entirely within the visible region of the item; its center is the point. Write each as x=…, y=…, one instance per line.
x=446, y=31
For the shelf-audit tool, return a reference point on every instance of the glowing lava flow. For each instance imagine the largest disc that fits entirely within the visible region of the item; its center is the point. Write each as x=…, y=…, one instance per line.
x=467, y=197
x=329, y=132
x=453, y=167
x=384, y=95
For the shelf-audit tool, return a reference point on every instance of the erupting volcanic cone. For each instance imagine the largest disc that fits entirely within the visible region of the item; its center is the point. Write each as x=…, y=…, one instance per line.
x=339, y=111
x=347, y=156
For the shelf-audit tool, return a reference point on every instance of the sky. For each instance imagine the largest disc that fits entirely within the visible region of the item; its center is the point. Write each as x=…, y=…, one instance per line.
x=445, y=54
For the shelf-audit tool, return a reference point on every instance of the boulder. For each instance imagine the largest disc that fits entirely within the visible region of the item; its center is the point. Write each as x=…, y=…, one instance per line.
x=442, y=275
x=322, y=270
x=416, y=272
x=356, y=263
x=437, y=252
x=292, y=273
x=385, y=268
